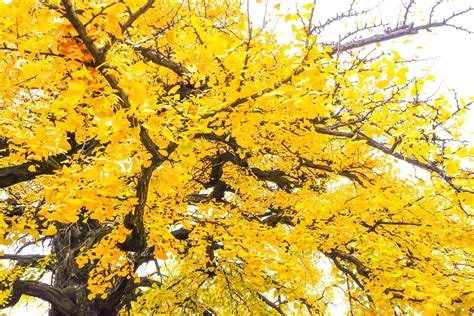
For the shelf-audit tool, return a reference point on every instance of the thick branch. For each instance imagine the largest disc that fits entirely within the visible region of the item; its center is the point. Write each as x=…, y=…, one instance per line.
x=70, y=14
x=137, y=240
x=24, y=172
x=358, y=135
x=22, y=259
x=4, y=150
x=359, y=265
x=147, y=282
x=157, y=58
x=43, y=291
x=398, y=32
x=276, y=176
x=30, y=170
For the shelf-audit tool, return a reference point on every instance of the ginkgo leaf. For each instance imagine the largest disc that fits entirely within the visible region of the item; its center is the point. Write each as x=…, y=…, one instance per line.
x=452, y=167
x=51, y=230
x=168, y=134
x=173, y=90
x=291, y=17
x=462, y=153
x=146, y=163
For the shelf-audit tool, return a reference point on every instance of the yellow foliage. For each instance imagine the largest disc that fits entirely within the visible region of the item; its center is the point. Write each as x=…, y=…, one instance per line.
x=246, y=169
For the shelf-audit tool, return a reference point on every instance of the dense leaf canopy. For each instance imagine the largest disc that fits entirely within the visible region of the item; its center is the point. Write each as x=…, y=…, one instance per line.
x=175, y=157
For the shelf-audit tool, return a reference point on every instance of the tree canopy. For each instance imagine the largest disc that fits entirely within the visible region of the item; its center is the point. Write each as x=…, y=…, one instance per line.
x=177, y=157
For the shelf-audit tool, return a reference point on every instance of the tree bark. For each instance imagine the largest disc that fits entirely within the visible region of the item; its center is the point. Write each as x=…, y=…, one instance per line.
x=72, y=279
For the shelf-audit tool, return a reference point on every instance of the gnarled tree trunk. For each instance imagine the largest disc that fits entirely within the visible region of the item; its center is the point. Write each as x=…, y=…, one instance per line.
x=72, y=279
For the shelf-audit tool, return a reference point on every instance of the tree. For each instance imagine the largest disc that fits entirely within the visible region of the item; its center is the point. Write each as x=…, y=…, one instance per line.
x=177, y=157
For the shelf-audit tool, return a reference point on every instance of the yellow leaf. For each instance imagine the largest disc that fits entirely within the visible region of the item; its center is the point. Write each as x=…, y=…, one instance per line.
x=452, y=167
x=51, y=230
x=291, y=17
x=160, y=254
x=32, y=168
x=74, y=201
x=185, y=147
x=462, y=153
x=170, y=36
x=173, y=90
x=70, y=218
x=328, y=49
x=168, y=134
x=383, y=84
x=64, y=144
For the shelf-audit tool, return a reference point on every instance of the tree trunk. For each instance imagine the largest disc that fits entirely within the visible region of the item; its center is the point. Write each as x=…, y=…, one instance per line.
x=89, y=308
x=69, y=277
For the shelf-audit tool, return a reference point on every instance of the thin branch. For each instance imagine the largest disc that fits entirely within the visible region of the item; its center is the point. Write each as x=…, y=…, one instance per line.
x=351, y=275
x=408, y=7
x=270, y=303
x=101, y=12
x=132, y=18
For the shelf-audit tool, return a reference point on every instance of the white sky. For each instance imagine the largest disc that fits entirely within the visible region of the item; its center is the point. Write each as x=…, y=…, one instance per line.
x=452, y=50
